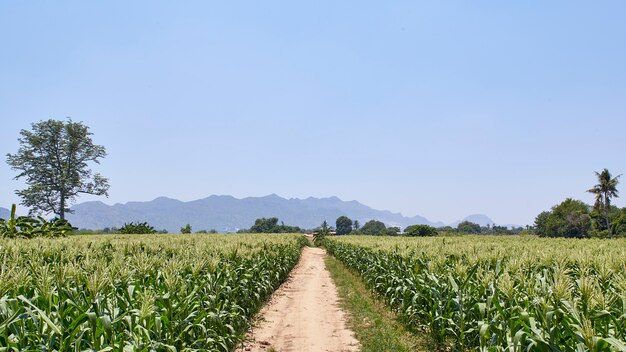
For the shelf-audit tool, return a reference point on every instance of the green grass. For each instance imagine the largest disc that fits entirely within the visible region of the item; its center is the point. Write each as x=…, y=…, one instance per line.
x=374, y=325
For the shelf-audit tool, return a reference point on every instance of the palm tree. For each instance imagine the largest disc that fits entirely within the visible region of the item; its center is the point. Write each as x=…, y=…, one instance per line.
x=604, y=191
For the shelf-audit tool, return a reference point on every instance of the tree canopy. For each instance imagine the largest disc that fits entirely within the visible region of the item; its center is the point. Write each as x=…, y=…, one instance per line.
x=420, y=230
x=604, y=191
x=618, y=226
x=373, y=228
x=568, y=219
x=574, y=218
x=136, y=228
x=53, y=158
x=344, y=225
x=468, y=227
x=270, y=225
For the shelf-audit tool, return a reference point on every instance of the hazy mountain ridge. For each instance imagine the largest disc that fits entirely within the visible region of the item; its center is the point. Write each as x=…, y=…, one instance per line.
x=226, y=213
x=4, y=213
x=479, y=219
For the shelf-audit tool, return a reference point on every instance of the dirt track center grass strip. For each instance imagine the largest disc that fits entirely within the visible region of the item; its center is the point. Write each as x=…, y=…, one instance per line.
x=374, y=325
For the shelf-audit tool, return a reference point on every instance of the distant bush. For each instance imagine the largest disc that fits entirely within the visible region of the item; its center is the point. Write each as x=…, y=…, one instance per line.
x=29, y=227
x=344, y=225
x=270, y=225
x=207, y=231
x=319, y=237
x=392, y=231
x=104, y=231
x=136, y=229
x=420, y=230
x=568, y=219
x=374, y=228
x=619, y=225
x=186, y=229
x=468, y=227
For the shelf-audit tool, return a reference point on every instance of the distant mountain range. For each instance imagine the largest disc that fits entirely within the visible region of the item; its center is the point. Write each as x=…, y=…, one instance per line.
x=228, y=214
x=4, y=213
x=479, y=219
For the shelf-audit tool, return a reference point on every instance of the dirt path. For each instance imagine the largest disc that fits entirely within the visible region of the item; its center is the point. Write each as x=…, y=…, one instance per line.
x=303, y=314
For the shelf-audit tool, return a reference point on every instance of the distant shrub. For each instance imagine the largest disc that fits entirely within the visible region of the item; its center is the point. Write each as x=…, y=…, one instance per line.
x=344, y=225
x=619, y=226
x=319, y=237
x=374, y=228
x=270, y=225
x=29, y=227
x=207, y=231
x=136, y=229
x=468, y=227
x=392, y=231
x=569, y=219
x=420, y=230
x=186, y=229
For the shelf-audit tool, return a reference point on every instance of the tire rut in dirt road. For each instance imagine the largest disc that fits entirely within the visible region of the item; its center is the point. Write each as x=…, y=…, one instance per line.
x=303, y=314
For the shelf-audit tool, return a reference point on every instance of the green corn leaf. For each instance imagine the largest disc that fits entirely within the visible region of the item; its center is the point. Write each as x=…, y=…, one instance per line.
x=41, y=314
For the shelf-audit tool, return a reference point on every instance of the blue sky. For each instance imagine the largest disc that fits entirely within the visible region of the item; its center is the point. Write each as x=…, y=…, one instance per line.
x=442, y=108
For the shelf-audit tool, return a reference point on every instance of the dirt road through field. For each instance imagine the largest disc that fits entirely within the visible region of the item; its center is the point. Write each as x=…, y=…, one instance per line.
x=303, y=314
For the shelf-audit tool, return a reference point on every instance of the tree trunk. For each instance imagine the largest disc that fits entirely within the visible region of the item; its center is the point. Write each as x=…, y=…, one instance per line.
x=606, y=212
x=62, y=210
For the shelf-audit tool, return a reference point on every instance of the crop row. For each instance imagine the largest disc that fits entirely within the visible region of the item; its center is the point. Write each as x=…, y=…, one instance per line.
x=137, y=293
x=496, y=293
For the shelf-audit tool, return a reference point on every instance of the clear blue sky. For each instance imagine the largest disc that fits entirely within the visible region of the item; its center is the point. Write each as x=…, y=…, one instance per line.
x=441, y=108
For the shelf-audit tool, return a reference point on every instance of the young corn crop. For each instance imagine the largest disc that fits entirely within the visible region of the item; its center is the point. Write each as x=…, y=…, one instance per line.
x=137, y=293
x=488, y=293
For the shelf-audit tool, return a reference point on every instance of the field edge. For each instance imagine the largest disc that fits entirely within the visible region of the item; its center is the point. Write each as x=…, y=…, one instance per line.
x=375, y=326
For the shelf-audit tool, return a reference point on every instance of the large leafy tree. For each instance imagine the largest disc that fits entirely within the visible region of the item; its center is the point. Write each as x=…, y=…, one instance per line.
x=270, y=225
x=344, y=225
x=53, y=158
x=468, y=227
x=420, y=230
x=604, y=191
x=568, y=219
x=374, y=228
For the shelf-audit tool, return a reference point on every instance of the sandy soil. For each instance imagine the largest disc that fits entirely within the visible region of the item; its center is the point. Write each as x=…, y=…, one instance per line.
x=303, y=314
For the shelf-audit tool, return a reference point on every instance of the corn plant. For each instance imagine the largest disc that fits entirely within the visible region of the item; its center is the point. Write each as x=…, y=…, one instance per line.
x=9, y=227
x=499, y=294
x=137, y=293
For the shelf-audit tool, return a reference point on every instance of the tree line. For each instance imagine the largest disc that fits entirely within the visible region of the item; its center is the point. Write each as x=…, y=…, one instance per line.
x=54, y=156
x=571, y=218
x=345, y=226
x=576, y=219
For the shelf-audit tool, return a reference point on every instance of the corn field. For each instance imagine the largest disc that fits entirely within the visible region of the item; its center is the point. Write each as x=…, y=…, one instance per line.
x=139, y=292
x=489, y=293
